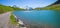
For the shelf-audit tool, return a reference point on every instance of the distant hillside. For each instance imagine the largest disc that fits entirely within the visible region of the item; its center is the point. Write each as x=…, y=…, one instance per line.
x=53, y=7
x=4, y=8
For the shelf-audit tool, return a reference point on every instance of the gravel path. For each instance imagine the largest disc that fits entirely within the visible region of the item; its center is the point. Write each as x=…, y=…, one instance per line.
x=4, y=19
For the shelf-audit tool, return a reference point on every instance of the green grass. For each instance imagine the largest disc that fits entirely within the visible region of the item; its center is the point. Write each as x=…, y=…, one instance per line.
x=13, y=19
x=4, y=8
x=53, y=7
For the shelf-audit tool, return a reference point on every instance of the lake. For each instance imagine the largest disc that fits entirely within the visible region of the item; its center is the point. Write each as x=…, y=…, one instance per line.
x=36, y=17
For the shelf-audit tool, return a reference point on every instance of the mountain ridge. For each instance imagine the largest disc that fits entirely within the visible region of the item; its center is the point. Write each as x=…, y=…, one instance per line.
x=55, y=3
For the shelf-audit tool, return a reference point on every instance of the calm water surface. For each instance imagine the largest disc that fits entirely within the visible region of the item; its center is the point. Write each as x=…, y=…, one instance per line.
x=39, y=16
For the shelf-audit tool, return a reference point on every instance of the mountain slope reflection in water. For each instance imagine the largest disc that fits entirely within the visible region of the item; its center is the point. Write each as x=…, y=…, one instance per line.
x=50, y=17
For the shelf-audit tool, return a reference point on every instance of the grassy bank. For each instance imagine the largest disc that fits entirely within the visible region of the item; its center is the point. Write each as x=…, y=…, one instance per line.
x=13, y=19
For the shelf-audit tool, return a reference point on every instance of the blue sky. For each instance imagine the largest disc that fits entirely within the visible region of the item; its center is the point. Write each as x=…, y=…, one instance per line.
x=30, y=3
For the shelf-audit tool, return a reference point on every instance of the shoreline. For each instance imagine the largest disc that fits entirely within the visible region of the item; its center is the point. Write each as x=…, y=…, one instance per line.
x=19, y=21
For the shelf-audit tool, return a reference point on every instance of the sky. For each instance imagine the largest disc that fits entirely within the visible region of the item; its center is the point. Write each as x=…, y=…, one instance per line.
x=29, y=3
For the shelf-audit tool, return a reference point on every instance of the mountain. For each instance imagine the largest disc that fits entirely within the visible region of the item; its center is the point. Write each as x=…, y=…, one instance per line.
x=54, y=6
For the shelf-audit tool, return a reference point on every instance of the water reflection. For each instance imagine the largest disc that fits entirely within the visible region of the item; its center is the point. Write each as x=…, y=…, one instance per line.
x=27, y=11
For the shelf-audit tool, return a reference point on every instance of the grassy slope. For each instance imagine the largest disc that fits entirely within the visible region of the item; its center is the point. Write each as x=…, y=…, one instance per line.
x=4, y=8
x=53, y=7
